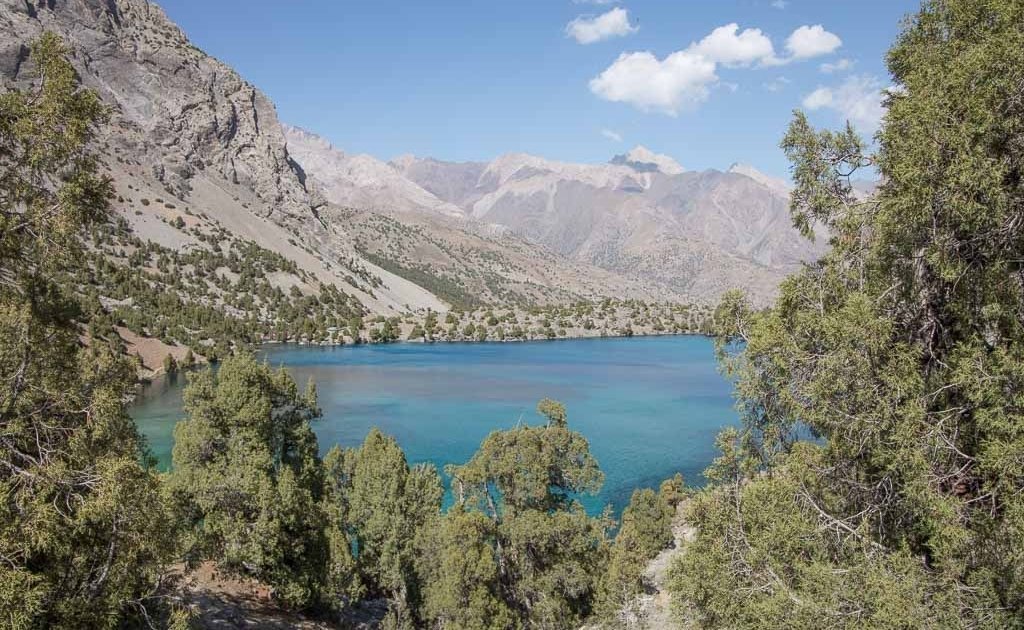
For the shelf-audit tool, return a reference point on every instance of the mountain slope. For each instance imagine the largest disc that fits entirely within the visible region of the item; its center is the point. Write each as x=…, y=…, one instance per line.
x=360, y=181
x=694, y=233
x=188, y=132
x=187, y=129
x=402, y=227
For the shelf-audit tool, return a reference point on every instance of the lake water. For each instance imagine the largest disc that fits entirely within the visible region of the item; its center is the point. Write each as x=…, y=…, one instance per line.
x=649, y=406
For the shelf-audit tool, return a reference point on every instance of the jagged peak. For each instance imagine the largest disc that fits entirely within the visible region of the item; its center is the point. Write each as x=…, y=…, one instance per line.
x=642, y=159
x=293, y=133
x=404, y=162
x=776, y=184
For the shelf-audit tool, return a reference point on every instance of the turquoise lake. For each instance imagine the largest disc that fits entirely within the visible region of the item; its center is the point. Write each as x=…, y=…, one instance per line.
x=649, y=406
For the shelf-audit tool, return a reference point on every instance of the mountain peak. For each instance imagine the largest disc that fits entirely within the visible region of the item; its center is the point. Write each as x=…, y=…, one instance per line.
x=642, y=159
x=775, y=184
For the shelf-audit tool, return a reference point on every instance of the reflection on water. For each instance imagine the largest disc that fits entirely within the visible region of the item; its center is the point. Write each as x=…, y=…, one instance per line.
x=650, y=407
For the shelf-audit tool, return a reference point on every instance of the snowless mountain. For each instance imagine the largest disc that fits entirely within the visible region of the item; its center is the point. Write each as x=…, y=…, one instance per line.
x=698, y=233
x=360, y=181
x=641, y=215
x=188, y=131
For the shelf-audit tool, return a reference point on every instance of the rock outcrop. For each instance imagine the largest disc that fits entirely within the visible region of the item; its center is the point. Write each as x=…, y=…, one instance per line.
x=176, y=110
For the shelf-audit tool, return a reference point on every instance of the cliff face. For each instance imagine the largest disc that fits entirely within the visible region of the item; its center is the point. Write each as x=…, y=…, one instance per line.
x=178, y=111
x=187, y=132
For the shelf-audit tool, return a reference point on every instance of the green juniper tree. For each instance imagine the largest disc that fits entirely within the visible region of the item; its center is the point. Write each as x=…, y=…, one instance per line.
x=83, y=534
x=380, y=503
x=459, y=570
x=902, y=351
x=527, y=553
x=247, y=479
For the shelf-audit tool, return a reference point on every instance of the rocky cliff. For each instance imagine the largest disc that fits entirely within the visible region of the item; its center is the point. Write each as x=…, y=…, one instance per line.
x=177, y=110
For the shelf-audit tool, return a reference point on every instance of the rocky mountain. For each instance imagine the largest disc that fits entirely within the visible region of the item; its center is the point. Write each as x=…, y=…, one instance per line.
x=360, y=181
x=190, y=139
x=189, y=132
x=642, y=215
x=644, y=160
x=180, y=112
x=408, y=229
x=776, y=184
x=194, y=150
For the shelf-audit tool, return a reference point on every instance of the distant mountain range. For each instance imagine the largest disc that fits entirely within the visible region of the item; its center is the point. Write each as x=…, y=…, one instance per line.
x=409, y=234
x=641, y=215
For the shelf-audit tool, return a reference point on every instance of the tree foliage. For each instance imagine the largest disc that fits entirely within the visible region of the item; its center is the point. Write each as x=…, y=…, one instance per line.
x=381, y=503
x=646, y=530
x=901, y=351
x=247, y=478
x=84, y=537
x=529, y=555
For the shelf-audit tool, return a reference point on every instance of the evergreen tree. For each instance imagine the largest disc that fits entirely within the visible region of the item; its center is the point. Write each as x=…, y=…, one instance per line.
x=84, y=536
x=902, y=351
x=247, y=479
x=528, y=554
x=381, y=503
x=456, y=562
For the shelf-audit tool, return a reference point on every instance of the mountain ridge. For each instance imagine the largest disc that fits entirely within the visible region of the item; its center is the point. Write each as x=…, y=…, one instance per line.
x=187, y=128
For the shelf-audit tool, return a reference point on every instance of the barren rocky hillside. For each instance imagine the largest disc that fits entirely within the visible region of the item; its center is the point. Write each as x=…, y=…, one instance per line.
x=188, y=137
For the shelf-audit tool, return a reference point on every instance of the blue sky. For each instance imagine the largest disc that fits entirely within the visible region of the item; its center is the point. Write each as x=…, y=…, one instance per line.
x=472, y=80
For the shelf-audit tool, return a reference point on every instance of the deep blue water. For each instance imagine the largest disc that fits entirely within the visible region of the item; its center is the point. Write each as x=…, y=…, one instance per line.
x=649, y=406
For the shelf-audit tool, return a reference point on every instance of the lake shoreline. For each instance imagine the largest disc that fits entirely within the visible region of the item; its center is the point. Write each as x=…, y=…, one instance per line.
x=650, y=406
x=160, y=373
x=335, y=344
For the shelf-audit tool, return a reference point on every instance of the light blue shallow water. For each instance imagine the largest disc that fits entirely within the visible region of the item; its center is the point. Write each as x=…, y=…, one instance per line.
x=650, y=406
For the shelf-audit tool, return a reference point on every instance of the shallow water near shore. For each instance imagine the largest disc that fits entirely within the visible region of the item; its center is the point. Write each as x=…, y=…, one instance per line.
x=650, y=406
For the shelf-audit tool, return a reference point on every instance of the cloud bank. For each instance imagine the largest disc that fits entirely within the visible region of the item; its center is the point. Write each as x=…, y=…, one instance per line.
x=684, y=78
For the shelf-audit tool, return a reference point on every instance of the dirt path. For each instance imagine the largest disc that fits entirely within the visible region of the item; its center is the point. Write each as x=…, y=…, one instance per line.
x=220, y=602
x=657, y=605
x=653, y=609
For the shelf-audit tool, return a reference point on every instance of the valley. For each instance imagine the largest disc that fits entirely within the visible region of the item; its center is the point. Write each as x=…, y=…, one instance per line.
x=203, y=168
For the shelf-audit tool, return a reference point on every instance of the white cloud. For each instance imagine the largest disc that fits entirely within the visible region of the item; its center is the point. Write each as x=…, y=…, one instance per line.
x=684, y=78
x=821, y=97
x=611, y=135
x=812, y=41
x=777, y=84
x=779, y=4
x=651, y=84
x=588, y=29
x=839, y=66
x=858, y=99
x=730, y=47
